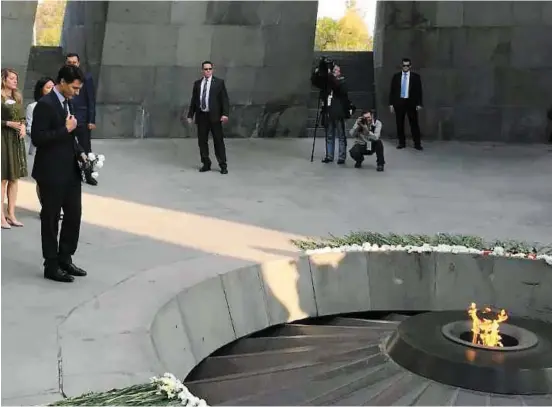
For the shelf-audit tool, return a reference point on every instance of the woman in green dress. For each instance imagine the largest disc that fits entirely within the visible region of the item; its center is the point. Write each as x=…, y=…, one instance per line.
x=14, y=160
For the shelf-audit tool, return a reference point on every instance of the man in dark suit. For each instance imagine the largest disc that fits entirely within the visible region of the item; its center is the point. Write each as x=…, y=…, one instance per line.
x=85, y=110
x=405, y=99
x=57, y=173
x=210, y=106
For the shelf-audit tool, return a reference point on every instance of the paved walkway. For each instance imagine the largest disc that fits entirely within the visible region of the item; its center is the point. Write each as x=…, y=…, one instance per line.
x=155, y=225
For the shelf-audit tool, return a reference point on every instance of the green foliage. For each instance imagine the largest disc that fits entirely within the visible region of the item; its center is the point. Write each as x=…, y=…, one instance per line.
x=49, y=22
x=359, y=238
x=349, y=33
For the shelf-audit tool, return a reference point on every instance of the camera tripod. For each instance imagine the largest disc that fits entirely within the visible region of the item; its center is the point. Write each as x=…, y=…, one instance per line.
x=321, y=115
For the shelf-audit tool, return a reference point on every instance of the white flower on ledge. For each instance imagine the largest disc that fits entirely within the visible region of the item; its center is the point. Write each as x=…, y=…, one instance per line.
x=169, y=385
x=426, y=248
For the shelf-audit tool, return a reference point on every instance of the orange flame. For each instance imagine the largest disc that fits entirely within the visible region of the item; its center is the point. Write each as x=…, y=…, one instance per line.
x=486, y=331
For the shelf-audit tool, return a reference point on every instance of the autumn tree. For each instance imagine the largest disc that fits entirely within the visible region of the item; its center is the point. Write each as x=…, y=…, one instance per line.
x=349, y=33
x=49, y=22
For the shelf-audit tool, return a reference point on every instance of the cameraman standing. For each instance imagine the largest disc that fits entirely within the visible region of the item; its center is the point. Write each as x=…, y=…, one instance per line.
x=367, y=129
x=338, y=105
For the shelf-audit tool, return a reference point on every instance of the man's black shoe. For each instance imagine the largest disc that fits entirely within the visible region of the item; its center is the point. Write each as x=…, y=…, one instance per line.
x=327, y=160
x=205, y=168
x=358, y=165
x=341, y=162
x=91, y=181
x=224, y=170
x=418, y=147
x=400, y=146
x=72, y=270
x=379, y=168
x=57, y=274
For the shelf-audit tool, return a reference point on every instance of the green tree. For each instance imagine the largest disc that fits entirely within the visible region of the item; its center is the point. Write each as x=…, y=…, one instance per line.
x=49, y=22
x=349, y=33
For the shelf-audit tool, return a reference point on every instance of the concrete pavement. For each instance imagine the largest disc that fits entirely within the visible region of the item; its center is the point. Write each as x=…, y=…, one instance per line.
x=154, y=226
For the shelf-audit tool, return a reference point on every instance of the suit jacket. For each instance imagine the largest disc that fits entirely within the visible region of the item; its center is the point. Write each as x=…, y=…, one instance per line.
x=219, y=105
x=85, y=102
x=57, y=150
x=414, y=89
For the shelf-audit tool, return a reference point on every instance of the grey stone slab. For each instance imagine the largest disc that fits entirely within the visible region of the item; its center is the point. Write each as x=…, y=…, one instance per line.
x=173, y=85
x=194, y=45
x=471, y=398
x=298, y=13
x=208, y=328
x=139, y=44
x=19, y=10
x=139, y=12
x=16, y=41
x=449, y=14
x=434, y=48
x=523, y=287
x=442, y=86
x=251, y=51
x=341, y=283
x=481, y=47
x=473, y=273
x=523, y=124
x=484, y=123
x=532, y=47
x=527, y=12
x=401, y=281
x=116, y=120
x=436, y=122
x=77, y=384
x=136, y=87
x=474, y=87
x=503, y=400
x=238, y=13
x=189, y=12
x=285, y=44
x=547, y=13
x=288, y=290
x=170, y=341
x=488, y=13
x=246, y=301
x=244, y=121
x=523, y=87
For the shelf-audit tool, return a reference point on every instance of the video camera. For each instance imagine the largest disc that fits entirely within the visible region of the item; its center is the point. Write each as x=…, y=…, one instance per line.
x=319, y=77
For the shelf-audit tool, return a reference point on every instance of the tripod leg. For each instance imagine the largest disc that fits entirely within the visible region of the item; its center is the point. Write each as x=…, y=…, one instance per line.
x=315, y=129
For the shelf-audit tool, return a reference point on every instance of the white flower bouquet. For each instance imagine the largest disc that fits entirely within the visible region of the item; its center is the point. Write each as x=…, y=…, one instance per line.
x=92, y=166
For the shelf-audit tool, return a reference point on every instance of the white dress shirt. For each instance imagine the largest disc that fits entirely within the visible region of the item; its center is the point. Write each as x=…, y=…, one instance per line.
x=205, y=82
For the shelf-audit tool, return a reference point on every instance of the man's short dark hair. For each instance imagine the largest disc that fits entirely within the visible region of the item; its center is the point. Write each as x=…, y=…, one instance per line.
x=69, y=74
x=39, y=86
x=206, y=62
x=407, y=60
x=71, y=55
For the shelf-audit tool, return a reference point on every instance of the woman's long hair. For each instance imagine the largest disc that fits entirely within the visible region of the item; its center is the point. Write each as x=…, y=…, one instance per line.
x=16, y=94
x=39, y=87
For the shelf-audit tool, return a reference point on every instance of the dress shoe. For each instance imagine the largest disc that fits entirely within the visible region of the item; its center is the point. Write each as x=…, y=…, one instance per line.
x=379, y=168
x=205, y=168
x=341, y=162
x=72, y=270
x=358, y=165
x=224, y=170
x=91, y=181
x=327, y=160
x=418, y=147
x=57, y=274
x=400, y=146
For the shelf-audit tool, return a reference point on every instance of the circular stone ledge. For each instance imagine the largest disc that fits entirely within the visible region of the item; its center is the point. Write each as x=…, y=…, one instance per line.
x=219, y=310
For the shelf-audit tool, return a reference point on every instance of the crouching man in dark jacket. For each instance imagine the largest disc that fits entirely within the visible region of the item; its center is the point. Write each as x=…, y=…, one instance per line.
x=367, y=131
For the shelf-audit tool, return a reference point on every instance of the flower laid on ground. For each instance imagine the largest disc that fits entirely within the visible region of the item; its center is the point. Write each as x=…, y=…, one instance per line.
x=96, y=162
x=442, y=243
x=161, y=391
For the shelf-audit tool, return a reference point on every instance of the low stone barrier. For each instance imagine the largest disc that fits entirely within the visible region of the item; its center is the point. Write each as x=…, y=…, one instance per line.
x=219, y=310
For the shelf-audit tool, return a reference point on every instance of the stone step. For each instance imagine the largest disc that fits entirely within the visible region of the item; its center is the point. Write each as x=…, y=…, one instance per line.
x=307, y=389
x=371, y=323
x=397, y=317
x=268, y=344
x=314, y=330
x=253, y=362
x=224, y=388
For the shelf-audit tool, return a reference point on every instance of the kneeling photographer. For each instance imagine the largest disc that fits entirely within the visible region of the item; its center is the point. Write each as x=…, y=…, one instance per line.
x=367, y=131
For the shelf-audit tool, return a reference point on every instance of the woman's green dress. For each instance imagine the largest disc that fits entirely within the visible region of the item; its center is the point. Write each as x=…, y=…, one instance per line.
x=14, y=159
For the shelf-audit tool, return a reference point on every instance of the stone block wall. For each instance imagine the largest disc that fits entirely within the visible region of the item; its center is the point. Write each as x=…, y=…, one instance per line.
x=17, y=35
x=43, y=61
x=486, y=66
x=152, y=51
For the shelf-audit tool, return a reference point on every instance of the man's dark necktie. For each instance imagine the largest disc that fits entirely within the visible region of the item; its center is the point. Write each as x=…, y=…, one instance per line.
x=204, y=95
x=66, y=107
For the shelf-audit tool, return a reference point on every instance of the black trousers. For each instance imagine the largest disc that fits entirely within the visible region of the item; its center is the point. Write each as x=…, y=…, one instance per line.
x=407, y=108
x=358, y=151
x=205, y=125
x=55, y=197
x=84, y=136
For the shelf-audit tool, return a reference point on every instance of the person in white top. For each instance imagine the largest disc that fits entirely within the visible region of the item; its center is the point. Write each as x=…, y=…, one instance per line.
x=42, y=87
